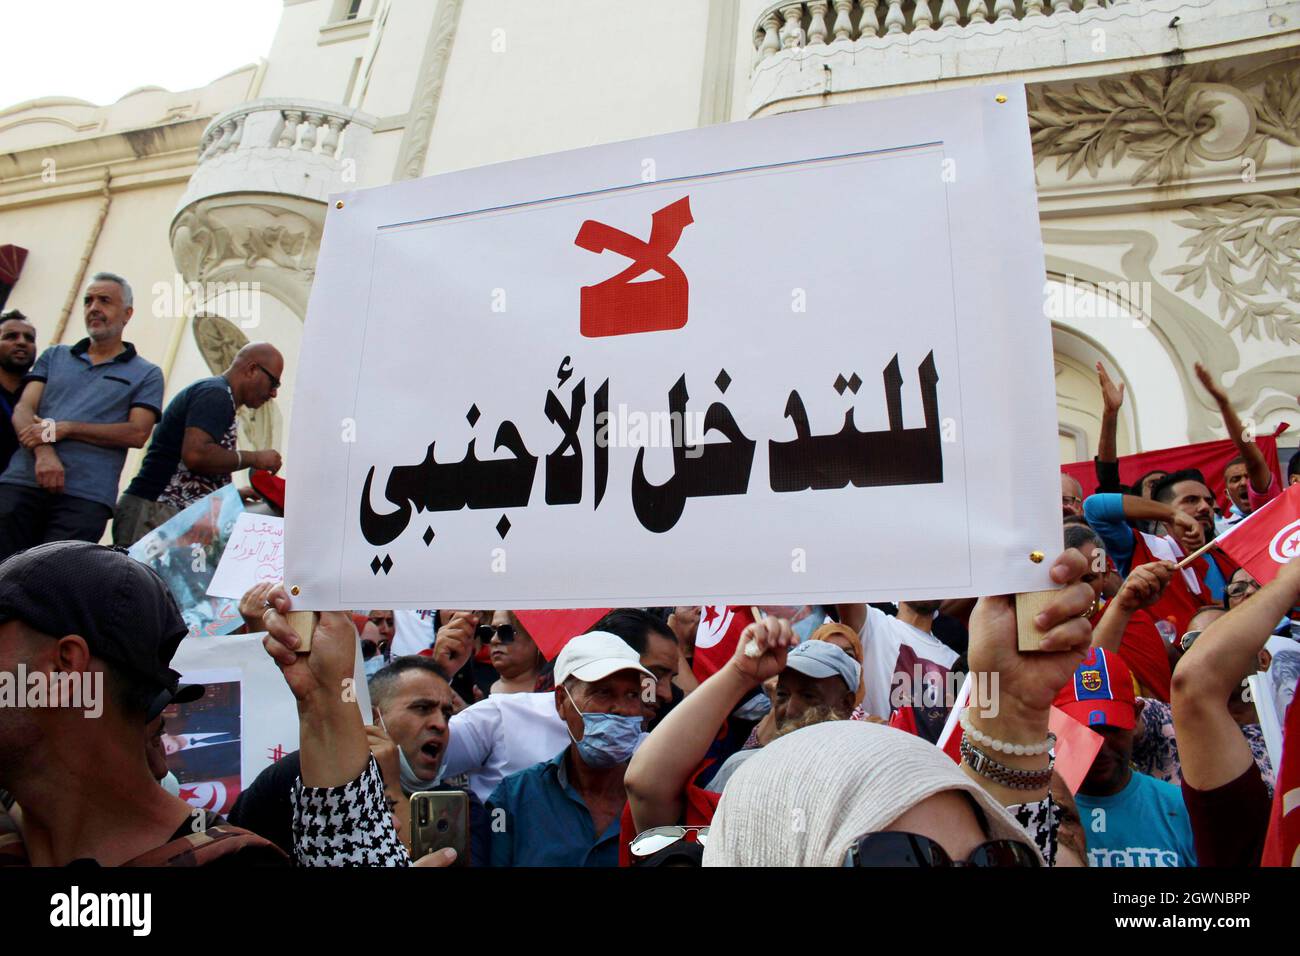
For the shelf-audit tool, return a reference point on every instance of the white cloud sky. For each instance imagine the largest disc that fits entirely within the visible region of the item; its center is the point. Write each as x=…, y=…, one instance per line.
x=99, y=50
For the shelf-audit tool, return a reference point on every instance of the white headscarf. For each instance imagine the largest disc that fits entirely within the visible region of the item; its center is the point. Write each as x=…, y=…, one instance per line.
x=806, y=797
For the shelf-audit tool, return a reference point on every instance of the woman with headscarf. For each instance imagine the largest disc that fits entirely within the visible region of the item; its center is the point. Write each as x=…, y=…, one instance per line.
x=850, y=793
x=853, y=793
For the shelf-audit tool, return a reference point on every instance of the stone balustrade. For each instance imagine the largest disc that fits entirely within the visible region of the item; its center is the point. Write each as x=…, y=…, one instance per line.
x=293, y=125
x=807, y=51
x=787, y=25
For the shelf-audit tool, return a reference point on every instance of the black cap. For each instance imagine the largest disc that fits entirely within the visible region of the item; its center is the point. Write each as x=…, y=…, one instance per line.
x=121, y=607
x=184, y=694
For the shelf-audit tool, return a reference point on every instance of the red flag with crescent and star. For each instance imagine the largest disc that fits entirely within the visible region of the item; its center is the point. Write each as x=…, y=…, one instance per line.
x=1267, y=539
x=715, y=639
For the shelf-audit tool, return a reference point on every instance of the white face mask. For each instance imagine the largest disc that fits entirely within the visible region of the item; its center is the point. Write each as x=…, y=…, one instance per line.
x=171, y=784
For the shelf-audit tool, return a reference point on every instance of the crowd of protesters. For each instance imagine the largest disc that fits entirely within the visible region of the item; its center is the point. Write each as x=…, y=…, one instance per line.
x=618, y=749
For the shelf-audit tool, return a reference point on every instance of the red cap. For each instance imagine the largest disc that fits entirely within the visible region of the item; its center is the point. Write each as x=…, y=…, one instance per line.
x=1100, y=692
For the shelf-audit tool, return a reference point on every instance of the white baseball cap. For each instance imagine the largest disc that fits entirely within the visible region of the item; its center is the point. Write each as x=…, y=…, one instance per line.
x=594, y=655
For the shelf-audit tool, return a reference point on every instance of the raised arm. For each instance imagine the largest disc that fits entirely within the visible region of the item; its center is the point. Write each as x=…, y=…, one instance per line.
x=332, y=738
x=1247, y=447
x=1211, y=747
x=1107, y=461
x=1021, y=686
x=1108, y=514
x=1141, y=588
x=662, y=766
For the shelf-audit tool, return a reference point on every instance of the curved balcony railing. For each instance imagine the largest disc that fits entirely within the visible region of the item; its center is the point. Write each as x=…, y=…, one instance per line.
x=282, y=124
x=301, y=148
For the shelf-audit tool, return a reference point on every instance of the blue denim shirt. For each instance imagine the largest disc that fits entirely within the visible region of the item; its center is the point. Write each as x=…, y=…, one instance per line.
x=545, y=822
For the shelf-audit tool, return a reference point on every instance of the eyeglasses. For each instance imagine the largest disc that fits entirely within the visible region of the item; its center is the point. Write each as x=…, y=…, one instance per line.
x=914, y=850
x=1070, y=500
x=659, y=838
x=505, y=633
x=275, y=382
x=1186, y=642
x=1240, y=588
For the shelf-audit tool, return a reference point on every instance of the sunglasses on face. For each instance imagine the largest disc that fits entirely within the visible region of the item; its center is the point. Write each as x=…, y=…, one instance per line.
x=914, y=850
x=659, y=838
x=275, y=382
x=505, y=633
x=1240, y=588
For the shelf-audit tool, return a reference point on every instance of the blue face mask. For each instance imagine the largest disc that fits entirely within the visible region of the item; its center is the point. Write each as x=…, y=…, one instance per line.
x=409, y=781
x=607, y=739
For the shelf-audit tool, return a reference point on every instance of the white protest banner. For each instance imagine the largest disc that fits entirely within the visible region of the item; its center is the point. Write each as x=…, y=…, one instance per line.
x=795, y=360
x=246, y=720
x=254, y=554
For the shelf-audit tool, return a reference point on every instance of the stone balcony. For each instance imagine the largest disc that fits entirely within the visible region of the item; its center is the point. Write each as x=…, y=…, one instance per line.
x=805, y=53
x=255, y=206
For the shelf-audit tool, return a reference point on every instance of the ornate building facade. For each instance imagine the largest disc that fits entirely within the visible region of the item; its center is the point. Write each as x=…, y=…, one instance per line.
x=1166, y=136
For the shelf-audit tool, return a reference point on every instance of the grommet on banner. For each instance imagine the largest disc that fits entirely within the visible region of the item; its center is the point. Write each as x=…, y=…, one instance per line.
x=1001, y=98
x=339, y=204
x=296, y=590
x=1034, y=556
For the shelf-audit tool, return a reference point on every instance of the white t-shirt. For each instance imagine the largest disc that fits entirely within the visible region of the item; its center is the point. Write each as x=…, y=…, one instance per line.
x=892, y=651
x=500, y=735
x=412, y=632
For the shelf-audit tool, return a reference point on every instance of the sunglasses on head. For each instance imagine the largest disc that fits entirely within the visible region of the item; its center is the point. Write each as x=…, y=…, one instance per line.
x=914, y=850
x=505, y=633
x=652, y=841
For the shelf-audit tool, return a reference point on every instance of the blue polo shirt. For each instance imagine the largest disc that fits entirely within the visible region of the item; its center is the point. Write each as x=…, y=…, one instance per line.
x=103, y=394
x=545, y=821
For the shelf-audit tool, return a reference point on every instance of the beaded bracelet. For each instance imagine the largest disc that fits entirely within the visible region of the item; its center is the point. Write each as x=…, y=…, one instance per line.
x=1019, y=750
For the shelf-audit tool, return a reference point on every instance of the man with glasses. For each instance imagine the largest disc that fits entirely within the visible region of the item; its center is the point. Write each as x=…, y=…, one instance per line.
x=1071, y=496
x=194, y=450
x=1239, y=588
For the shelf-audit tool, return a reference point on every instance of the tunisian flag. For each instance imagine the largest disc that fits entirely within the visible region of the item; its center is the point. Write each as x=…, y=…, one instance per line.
x=1266, y=539
x=716, y=637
